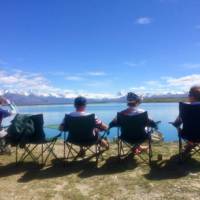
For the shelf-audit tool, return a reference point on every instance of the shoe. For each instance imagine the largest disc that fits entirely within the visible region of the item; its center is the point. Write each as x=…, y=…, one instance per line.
x=139, y=149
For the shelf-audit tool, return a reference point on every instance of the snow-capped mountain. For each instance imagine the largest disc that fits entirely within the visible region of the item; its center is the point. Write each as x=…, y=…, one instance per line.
x=34, y=99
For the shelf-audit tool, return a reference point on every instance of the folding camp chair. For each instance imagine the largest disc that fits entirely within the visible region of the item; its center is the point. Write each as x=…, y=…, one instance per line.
x=4, y=149
x=189, y=131
x=37, y=139
x=81, y=133
x=133, y=131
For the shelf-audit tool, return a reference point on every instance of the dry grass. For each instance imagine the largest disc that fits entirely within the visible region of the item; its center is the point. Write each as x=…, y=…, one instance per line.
x=128, y=179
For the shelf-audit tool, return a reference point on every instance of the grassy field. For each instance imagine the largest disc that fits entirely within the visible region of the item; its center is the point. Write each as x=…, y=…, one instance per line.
x=80, y=179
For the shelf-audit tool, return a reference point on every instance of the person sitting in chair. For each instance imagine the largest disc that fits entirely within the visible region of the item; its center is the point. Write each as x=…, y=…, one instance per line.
x=80, y=104
x=133, y=102
x=6, y=113
x=3, y=114
x=193, y=98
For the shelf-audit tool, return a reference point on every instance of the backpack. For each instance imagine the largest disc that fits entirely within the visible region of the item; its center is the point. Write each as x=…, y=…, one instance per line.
x=21, y=130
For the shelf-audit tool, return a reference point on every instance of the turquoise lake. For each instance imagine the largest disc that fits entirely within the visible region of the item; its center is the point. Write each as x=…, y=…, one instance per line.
x=164, y=112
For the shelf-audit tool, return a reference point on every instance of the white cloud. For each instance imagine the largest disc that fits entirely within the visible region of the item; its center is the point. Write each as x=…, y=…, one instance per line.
x=184, y=82
x=74, y=78
x=152, y=82
x=97, y=73
x=144, y=20
x=99, y=84
x=25, y=83
x=58, y=73
x=165, y=85
x=134, y=64
x=21, y=82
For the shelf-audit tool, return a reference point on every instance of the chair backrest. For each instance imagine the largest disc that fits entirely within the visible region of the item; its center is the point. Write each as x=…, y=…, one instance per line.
x=38, y=126
x=81, y=128
x=26, y=129
x=190, y=115
x=132, y=127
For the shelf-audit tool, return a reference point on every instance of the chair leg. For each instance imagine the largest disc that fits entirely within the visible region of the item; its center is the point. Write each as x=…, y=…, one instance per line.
x=64, y=143
x=16, y=154
x=150, y=151
x=42, y=154
x=119, y=149
x=29, y=153
x=98, y=152
x=180, y=150
x=49, y=148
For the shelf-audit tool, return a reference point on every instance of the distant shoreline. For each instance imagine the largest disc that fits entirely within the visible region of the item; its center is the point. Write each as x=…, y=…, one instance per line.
x=161, y=100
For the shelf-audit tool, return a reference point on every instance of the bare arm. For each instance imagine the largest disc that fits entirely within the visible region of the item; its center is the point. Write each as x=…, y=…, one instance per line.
x=104, y=126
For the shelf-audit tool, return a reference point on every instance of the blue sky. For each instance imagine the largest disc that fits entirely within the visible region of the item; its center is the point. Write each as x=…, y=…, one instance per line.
x=99, y=47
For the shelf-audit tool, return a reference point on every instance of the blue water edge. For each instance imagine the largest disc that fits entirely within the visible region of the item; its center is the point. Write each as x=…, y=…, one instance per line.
x=53, y=114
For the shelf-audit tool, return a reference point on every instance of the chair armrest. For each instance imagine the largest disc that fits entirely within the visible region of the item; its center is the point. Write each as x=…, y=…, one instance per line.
x=105, y=133
x=177, y=126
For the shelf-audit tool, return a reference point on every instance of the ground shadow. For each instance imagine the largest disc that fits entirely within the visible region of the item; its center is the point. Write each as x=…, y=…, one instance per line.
x=172, y=168
x=84, y=168
x=13, y=168
x=57, y=169
x=111, y=166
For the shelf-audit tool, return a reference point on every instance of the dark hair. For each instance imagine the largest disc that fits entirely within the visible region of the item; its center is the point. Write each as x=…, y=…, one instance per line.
x=80, y=101
x=195, y=92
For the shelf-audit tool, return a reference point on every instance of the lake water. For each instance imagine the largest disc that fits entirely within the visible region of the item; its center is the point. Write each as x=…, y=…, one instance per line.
x=164, y=112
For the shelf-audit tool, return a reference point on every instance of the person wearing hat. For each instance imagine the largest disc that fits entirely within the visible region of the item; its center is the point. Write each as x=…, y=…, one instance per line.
x=80, y=104
x=133, y=102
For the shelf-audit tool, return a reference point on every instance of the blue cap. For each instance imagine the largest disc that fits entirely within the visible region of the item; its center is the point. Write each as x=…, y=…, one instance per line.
x=132, y=98
x=80, y=101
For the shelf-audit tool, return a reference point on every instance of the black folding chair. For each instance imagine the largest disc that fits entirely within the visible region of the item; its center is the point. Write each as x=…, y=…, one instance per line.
x=190, y=128
x=133, y=131
x=81, y=133
x=37, y=139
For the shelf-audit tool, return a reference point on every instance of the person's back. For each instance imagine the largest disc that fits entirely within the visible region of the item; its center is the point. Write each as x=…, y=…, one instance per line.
x=133, y=102
x=3, y=114
x=193, y=99
x=80, y=110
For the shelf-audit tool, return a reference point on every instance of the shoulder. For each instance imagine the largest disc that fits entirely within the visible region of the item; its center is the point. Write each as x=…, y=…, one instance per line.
x=125, y=112
x=140, y=110
x=78, y=114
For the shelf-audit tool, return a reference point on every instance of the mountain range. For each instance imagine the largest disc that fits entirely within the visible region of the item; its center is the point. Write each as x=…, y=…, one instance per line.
x=33, y=99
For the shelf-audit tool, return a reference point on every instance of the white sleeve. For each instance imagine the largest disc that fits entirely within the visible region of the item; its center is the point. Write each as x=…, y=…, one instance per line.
x=13, y=109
